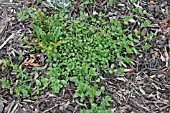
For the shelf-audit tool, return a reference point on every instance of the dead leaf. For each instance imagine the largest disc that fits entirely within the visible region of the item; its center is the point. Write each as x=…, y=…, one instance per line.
x=35, y=64
x=152, y=76
x=128, y=71
x=31, y=61
x=165, y=27
x=168, y=24
x=167, y=35
x=151, y=2
x=144, y=31
x=32, y=56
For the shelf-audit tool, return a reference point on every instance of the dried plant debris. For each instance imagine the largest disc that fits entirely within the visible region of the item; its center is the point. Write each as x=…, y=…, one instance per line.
x=31, y=61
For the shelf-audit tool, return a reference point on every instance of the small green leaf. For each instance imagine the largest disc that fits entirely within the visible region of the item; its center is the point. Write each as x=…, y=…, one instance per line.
x=35, y=75
x=98, y=93
x=102, y=89
x=5, y=83
x=146, y=46
x=126, y=59
x=73, y=79
x=112, y=66
x=38, y=83
x=24, y=92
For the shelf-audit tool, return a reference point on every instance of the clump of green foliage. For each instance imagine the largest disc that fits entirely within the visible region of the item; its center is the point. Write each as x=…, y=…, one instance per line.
x=77, y=50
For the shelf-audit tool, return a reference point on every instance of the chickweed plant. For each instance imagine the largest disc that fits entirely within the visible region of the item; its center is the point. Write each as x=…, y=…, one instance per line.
x=77, y=50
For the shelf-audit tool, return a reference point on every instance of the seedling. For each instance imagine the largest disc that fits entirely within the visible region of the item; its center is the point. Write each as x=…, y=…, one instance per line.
x=5, y=83
x=5, y=64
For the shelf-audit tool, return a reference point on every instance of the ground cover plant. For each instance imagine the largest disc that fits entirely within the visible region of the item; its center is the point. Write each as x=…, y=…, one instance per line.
x=78, y=50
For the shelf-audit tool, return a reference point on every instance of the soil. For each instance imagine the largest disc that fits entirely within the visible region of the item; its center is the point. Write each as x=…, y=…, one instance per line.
x=146, y=90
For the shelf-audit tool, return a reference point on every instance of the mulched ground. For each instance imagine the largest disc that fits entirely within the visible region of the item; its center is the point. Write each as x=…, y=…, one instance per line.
x=146, y=90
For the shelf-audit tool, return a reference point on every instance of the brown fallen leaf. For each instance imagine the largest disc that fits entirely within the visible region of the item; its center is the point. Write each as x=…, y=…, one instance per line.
x=34, y=64
x=165, y=27
x=129, y=71
x=151, y=2
x=152, y=76
x=144, y=31
x=166, y=21
x=168, y=24
x=167, y=35
x=31, y=61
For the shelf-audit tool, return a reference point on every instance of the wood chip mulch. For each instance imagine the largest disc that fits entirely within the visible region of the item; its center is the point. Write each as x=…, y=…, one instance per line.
x=146, y=89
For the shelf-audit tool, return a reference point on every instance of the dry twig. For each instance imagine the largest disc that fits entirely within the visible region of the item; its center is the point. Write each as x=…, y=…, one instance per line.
x=10, y=37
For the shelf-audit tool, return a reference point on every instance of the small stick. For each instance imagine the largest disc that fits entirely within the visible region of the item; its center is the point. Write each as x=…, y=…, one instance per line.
x=9, y=3
x=10, y=37
x=50, y=108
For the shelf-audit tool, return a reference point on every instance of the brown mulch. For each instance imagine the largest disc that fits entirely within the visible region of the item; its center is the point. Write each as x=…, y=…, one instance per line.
x=145, y=90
